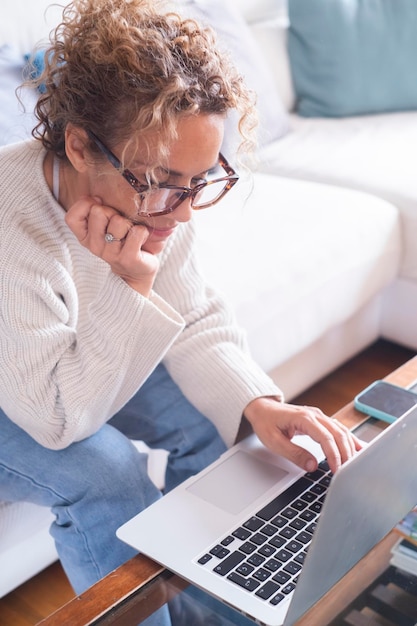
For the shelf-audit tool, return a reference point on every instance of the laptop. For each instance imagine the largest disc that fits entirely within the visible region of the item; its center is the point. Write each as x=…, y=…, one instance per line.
x=256, y=532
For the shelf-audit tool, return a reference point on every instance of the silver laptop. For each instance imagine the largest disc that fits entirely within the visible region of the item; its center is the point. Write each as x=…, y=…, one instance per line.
x=234, y=531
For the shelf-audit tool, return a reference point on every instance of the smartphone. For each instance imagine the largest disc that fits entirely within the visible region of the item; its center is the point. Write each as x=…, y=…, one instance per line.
x=385, y=401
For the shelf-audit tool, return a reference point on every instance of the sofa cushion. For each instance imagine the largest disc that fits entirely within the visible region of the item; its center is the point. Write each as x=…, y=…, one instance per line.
x=272, y=38
x=26, y=546
x=268, y=23
x=351, y=57
x=373, y=153
x=301, y=258
x=235, y=37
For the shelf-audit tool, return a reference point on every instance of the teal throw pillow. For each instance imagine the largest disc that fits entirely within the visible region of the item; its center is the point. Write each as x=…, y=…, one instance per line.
x=353, y=57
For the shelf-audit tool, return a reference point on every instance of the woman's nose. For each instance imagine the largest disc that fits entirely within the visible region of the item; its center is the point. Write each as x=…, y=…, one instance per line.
x=184, y=211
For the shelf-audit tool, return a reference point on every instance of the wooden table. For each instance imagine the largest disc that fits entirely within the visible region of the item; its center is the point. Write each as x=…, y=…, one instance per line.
x=136, y=589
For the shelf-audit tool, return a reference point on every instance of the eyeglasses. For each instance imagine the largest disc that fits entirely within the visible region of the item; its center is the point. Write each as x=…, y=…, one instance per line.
x=161, y=199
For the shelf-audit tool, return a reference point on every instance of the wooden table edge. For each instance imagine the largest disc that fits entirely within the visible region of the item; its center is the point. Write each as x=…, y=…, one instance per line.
x=139, y=571
x=107, y=593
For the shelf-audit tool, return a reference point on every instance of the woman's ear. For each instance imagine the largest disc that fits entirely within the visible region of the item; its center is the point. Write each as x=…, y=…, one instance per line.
x=76, y=148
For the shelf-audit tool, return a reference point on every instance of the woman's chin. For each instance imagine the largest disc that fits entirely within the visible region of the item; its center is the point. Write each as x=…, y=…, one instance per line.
x=154, y=247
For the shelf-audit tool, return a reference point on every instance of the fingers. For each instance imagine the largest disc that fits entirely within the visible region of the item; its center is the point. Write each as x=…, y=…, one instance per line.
x=293, y=452
x=336, y=440
x=77, y=217
x=346, y=438
x=276, y=424
x=96, y=225
x=115, y=239
x=341, y=436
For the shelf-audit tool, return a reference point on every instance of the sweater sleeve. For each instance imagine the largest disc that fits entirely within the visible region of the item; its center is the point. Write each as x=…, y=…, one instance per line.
x=210, y=360
x=66, y=368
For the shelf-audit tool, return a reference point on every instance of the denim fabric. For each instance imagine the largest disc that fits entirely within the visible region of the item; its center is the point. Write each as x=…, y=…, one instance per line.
x=97, y=484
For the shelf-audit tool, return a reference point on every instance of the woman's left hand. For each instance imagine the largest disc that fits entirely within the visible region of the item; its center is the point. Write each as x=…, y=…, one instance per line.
x=90, y=221
x=276, y=423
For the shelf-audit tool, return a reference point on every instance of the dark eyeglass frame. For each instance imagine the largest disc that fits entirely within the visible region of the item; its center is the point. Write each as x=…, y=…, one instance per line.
x=185, y=192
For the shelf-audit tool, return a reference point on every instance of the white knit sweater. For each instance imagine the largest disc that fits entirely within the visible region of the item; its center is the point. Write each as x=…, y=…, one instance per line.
x=76, y=342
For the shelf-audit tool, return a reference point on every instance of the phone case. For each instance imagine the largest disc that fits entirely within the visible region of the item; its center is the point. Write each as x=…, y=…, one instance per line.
x=373, y=412
x=380, y=413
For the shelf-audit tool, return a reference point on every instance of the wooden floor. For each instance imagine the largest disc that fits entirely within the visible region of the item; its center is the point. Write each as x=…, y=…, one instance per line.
x=43, y=594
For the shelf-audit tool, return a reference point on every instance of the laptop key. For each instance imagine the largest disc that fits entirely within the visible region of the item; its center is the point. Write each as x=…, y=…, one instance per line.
x=267, y=550
x=248, y=547
x=316, y=475
x=227, y=540
x=288, y=588
x=311, y=527
x=289, y=513
x=294, y=546
x=229, y=563
x=318, y=489
x=279, y=521
x=241, y=533
x=277, y=541
x=253, y=524
x=325, y=481
x=262, y=574
x=292, y=568
x=245, y=569
x=288, y=532
x=247, y=583
x=269, y=530
x=281, y=501
x=299, y=505
x=267, y=590
x=259, y=539
x=256, y=559
x=277, y=599
x=297, y=523
x=219, y=551
x=304, y=537
x=324, y=465
x=273, y=565
x=316, y=507
x=308, y=496
x=205, y=558
x=308, y=515
x=283, y=555
x=300, y=558
x=281, y=577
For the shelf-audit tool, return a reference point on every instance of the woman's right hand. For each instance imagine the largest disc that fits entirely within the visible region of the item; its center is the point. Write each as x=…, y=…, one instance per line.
x=90, y=221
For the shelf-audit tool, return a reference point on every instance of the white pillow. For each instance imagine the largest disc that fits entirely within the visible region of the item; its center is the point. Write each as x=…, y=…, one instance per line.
x=235, y=36
x=271, y=36
x=255, y=10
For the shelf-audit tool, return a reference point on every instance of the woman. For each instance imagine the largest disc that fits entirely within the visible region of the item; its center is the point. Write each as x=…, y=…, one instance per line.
x=108, y=331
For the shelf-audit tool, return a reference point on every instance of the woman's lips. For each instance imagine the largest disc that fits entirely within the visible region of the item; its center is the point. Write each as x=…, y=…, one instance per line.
x=160, y=233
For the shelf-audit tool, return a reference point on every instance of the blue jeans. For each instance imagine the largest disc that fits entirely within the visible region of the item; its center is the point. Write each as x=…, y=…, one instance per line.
x=97, y=484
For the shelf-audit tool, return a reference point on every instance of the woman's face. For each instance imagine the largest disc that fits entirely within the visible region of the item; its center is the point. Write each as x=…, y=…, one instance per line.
x=192, y=155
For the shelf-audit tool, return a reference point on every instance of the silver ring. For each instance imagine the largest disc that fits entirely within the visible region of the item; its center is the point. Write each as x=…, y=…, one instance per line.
x=109, y=238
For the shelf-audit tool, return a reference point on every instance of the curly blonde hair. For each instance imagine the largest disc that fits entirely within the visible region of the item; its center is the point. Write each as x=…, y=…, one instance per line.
x=118, y=66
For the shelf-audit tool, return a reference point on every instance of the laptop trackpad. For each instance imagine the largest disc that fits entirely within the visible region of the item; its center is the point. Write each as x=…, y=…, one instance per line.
x=236, y=482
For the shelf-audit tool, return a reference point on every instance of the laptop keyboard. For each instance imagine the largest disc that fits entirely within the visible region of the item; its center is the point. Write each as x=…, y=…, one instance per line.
x=266, y=553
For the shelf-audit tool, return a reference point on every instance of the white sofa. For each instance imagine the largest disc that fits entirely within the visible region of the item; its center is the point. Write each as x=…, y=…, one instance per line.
x=317, y=251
